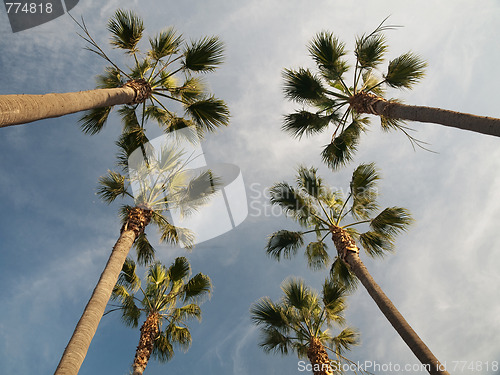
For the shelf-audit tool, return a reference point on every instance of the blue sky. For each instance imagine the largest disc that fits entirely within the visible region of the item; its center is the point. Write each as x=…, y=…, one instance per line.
x=55, y=234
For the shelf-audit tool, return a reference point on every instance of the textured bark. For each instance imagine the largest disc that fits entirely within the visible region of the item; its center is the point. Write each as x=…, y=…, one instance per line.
x=21, y=109
x=345, y=247
x=369, y=103
x=138, y=219
x=77, y=348
x=319, y=358
x=149, y=333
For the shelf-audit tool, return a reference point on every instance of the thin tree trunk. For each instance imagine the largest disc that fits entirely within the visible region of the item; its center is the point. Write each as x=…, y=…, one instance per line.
x=409, y=336
x=318, y=357
x=149, y=332
x=372, y=104
x=21, y=109
x=77, y=348
x=349, y=252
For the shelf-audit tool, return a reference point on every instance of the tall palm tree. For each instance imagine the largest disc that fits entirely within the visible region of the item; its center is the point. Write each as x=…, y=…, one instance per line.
x=323, y=212
x=161, y=183
x=328, y=98
x=169, y=299
x=301, y=322
x=167, y=70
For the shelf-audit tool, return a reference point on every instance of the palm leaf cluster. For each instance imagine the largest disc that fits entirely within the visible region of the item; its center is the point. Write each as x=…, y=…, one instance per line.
x=302, y=314
x=173, y=69
x=170, y=293
x=158, y=183
x=327, y=97
x=317, y=209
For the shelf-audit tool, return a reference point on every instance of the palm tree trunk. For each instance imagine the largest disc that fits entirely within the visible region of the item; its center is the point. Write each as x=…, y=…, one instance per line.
x=21, y=109
x=318, y=357
x=149, y=332
x=368, y=103
x=77, y=348
x=349, y=253
x=74, y=354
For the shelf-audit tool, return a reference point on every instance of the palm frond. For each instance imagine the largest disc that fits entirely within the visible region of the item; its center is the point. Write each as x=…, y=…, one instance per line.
x=297, y=294
x=266, y=312
x=272, y=340
x=165, y=43
x=363, y=189
x=111, y=187
x=333, y=294
x=191, y=90
x=183, y=129
x=372, y=83
x=177, y=235
x=327, y=51
x=163, y=350
x=391, y=221
x=316, y=255
x=158, y=114
x=180, y=336
x=111, y=79
x=140, y=69
x=208, y=114
x=93, y=120
x=187, y=312
x=309, y=181
x=305, y=123
x=126, y=29
x=375, y=243
x=204, y=55
x=341, y=150
x=302, y=86
x=145, y=251
x=197, y=288
x=202, y=186
x=130, y=312
x=128, y=276
x=388, y=123
x=157, y=274
x=370, y=50
x=165, y=81
x=120, y=292
x=129, y=141
x=291, y=201
x=179, y=270
x=405, y=71
x=129, y=118
x=343, y=342
x=284, y=244
x=340, y=273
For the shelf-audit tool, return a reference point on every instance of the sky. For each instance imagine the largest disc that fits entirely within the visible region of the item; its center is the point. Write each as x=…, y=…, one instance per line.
x=56, y=235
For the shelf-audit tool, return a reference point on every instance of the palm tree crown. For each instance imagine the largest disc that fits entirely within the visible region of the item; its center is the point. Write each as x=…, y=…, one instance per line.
x=169, y=69
x=328, y=98
x=159, y=181
x=169, y=300
x=337, y=103
x=301, y=322
x=320, y=211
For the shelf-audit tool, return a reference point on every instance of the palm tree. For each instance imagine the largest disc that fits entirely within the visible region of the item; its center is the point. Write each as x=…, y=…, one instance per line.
x=169, y=299
x=301, y=322
x=161, y=183
x=167, y=69
x=322, y=211
x=328, y=99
